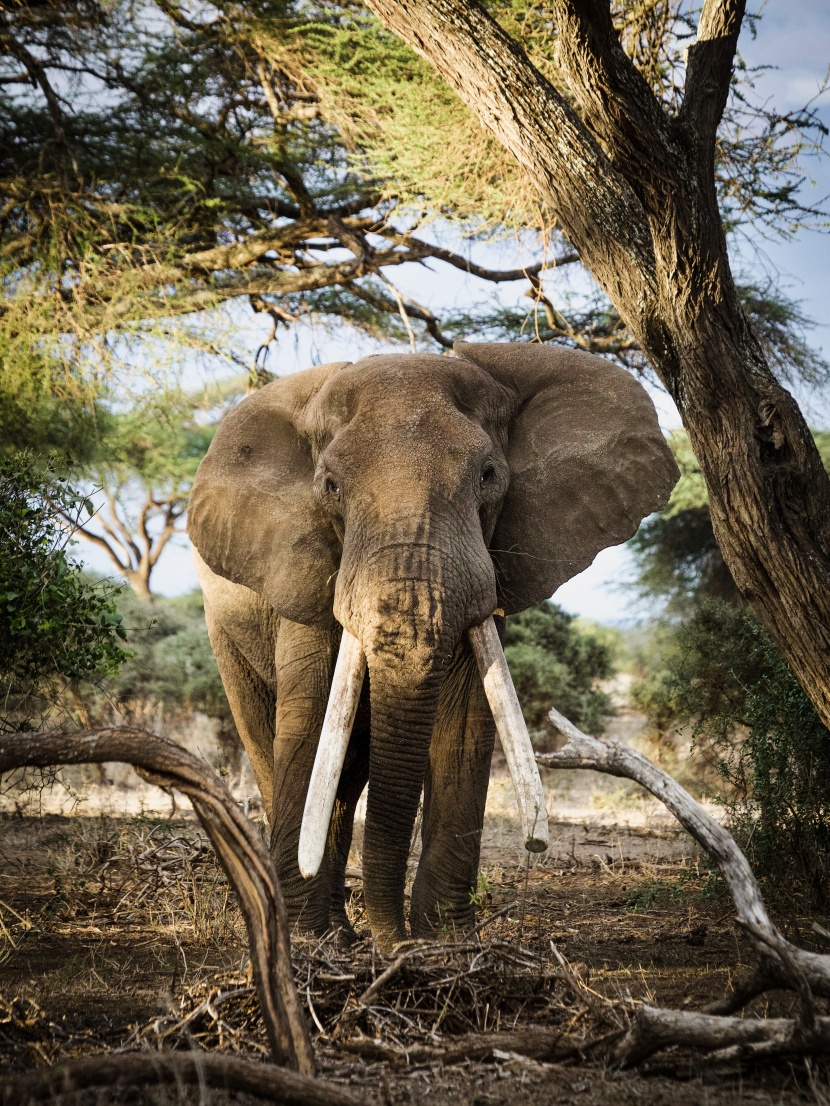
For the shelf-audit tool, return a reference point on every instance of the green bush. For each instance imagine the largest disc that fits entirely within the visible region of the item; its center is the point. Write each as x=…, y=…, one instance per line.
x=56, y=627
x=172, y=662
x=723, y=675
x=555, y=662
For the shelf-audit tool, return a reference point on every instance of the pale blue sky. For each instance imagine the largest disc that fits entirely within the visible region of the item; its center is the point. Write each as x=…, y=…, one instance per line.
x=795, y=37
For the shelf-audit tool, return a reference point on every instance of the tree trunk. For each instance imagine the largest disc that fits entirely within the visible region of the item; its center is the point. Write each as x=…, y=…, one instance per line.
x=140, y=583
x=633, y=188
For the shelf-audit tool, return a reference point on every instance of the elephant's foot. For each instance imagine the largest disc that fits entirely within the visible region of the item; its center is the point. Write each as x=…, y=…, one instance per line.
x=341, y=928
x=438, y=912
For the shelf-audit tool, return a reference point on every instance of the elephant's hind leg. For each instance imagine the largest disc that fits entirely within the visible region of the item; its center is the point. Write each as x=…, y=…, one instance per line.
x=455, y=792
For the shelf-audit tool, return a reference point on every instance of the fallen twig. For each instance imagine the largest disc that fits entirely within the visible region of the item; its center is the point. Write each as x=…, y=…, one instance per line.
x=781, y=964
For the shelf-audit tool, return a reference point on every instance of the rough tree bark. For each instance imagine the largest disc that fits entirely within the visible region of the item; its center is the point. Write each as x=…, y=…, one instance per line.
x=633, y=188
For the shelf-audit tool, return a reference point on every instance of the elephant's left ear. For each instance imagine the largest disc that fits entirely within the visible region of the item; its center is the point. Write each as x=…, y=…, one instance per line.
x=253, y=515
x=587, y=462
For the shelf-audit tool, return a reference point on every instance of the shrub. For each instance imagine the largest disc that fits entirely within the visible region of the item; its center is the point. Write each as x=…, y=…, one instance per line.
x=56, y=627
x=555, y=662
x=723, y=675
x=172, y=662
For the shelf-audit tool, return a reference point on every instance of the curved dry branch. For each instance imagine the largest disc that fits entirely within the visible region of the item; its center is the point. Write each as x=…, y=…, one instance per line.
x=237, y=844
x=265, y=1081
x=781, y=964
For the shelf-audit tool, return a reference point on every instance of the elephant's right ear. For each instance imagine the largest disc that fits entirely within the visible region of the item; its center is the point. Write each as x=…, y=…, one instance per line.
x=253, y=515
x=587, y=463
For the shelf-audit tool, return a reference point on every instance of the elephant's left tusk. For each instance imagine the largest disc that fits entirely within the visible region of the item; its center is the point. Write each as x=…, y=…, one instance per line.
x=515, y=740
x=344, y=696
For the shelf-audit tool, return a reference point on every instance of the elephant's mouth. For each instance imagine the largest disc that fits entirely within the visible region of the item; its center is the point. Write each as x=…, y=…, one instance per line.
x=337, y=727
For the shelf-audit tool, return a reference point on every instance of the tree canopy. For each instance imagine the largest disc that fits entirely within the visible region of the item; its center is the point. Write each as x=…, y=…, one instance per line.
x=157, y=161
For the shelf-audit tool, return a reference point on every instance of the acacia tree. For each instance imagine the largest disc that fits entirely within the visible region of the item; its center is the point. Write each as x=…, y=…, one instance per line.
x=146, y=459
x=631, y=179
x=156, y=161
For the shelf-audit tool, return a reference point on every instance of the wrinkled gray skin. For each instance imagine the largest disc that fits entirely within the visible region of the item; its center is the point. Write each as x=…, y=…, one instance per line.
x=405, y=498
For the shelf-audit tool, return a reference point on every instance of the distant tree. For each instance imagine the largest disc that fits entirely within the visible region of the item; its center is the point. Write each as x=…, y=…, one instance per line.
x=56, y=628
x=145, y=462
x=171, y=661
x=678, y=560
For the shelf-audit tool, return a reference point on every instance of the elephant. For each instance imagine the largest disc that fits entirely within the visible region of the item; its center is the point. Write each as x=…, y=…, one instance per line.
x=402, y=505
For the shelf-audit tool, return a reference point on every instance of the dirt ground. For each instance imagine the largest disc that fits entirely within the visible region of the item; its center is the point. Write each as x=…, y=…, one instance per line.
x=120, y=932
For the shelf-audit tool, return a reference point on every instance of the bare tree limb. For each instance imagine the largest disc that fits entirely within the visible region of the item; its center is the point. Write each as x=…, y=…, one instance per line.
x=237, y=844
x=782, y=964
x=201, y=1069
x=74, y=527
x=709, y=68
x=654, y=1028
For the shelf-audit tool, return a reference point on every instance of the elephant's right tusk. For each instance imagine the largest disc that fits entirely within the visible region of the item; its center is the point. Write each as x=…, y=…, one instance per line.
x=515, y=740
x=344, y=696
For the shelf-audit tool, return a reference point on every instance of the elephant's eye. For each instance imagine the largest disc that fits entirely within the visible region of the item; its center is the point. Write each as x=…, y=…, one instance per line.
x=488, y=474
x=332, y=487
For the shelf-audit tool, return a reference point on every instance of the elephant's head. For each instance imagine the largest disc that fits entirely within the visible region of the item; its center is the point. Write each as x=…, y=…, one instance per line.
x=409, y=497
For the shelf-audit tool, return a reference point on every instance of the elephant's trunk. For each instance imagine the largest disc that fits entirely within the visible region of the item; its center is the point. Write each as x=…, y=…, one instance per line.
x=403, y=717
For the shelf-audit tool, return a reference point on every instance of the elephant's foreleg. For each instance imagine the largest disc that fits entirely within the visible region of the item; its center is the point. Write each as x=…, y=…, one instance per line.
x=252, y=704
x=455, y=791
x=352, y=782
x=305, y=659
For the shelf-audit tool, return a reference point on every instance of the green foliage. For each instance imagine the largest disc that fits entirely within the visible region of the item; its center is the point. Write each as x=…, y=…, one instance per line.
x=56, y=628
x=171, y=659
x=721, y=674
x=556, y=663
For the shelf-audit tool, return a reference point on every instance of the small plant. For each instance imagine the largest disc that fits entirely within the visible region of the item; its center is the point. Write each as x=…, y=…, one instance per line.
x=482, y=895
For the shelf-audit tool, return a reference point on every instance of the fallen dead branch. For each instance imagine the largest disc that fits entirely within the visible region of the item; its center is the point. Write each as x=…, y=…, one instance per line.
x=237, y=845
x=265, y=1081
x=782, y=965
x=729, y=1038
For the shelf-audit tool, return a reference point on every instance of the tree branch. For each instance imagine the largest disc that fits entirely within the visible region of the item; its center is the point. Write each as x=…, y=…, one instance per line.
x=709, y=69
x=494, y=276
x=197, y=1069
x=129, y=541
x=415, y=311
x=782, y=963
x=236, y=841
x=598, y=210
x=97, y=539
x=612, y=94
